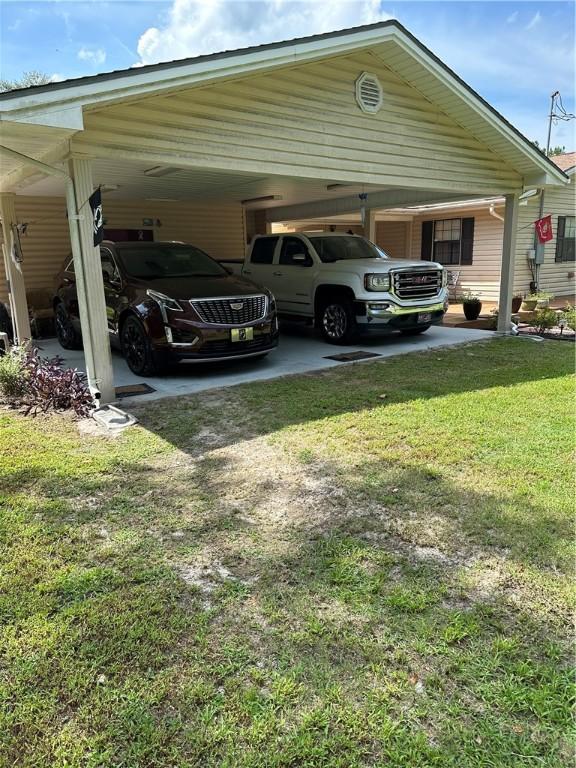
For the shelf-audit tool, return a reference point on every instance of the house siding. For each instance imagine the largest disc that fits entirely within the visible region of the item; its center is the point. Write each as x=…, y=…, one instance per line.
x=217, y=229
x=483, y=275
x=555, y=277
x=303, y=121
x=392, y=237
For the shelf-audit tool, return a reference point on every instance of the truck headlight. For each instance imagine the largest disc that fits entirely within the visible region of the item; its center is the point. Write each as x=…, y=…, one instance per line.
x=164, y=302
x=377, y=282
x=444, y=278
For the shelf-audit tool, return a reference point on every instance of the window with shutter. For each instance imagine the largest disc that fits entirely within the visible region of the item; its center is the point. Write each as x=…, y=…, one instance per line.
x=565, y=238
x=448, y=241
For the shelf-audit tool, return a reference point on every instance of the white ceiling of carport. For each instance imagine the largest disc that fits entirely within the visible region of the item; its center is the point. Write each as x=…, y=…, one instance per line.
x=200, y=185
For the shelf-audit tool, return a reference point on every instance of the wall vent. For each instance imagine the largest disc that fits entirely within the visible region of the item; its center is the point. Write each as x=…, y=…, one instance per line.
x=369, y=93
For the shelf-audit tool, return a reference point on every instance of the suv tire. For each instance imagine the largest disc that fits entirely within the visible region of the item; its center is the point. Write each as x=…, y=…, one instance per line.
x=137, y=349
x=337, y=320
x=68, y=337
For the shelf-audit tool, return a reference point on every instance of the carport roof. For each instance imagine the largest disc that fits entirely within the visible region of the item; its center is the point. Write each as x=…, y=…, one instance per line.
x=61, y=104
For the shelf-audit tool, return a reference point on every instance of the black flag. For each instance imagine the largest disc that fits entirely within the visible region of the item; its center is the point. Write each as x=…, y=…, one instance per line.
x=95, y=201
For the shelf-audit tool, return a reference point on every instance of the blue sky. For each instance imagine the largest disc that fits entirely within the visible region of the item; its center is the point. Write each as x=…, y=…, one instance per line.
x=513, y=53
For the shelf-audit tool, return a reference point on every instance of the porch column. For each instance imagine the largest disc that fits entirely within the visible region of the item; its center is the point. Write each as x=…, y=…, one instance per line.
x=89, y=282
x=370, y=225
x=14, y=276
x=508, y=259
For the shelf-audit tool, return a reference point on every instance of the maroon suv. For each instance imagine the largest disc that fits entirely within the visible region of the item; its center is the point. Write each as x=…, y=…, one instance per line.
x=169, y=302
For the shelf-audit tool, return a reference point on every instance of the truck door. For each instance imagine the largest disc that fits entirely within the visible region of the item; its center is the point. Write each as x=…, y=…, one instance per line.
x=259, y=267
x=293, y=276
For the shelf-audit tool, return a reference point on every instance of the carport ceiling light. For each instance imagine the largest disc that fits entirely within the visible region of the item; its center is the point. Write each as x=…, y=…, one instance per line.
x=263, y=199
x=160, y=170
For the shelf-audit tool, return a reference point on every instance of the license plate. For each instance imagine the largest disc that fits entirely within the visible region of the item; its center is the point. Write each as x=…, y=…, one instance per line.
x=424, y=317
x=242, y=334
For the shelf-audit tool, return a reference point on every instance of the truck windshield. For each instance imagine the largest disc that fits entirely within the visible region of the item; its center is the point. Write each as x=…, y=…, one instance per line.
x=157, y=260
x=338, y=248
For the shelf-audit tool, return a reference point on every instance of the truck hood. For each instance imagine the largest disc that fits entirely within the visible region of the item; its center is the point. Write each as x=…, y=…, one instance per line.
x=186, y=288
x=379, y=265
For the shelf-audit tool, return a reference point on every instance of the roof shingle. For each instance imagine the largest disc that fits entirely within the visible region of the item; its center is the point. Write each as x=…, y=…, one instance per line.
x=565, y=161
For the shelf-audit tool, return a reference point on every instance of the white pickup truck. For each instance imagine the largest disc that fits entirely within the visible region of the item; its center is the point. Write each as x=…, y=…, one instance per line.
x=347, y=285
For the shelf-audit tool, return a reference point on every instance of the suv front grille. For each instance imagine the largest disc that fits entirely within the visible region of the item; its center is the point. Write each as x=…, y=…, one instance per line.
x=231, y=311
x=419, y=284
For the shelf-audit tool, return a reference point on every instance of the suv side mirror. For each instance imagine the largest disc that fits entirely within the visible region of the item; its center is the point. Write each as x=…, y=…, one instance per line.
x=301, y=258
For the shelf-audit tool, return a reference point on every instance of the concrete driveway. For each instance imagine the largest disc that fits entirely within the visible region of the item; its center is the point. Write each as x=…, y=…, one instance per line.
x=300, y=351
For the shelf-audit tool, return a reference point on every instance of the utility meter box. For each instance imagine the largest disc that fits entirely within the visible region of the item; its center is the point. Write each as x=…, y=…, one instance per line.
x=536, y=255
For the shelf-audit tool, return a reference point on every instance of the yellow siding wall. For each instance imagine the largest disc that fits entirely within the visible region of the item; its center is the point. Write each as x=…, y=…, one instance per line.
x=483, y=275
x=555, y=277
x=392, y=237
x=304, y=121
x=217, y=229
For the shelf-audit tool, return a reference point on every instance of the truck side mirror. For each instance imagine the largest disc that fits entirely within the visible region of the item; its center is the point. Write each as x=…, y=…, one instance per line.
x=300, y=258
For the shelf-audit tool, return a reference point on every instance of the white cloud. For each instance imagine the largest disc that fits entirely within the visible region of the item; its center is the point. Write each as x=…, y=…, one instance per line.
x=95, y=56
x=512, y=18
x=196, y=27
x=536, y=19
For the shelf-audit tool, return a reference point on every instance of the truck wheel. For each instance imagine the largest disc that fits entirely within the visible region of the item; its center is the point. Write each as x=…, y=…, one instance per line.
x=338, y=321
x=137, y=349
x=414, y=331
x=65, y=331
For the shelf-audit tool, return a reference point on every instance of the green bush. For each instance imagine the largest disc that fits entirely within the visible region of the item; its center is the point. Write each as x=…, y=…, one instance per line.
x=13, y=375
x=544, y=319
x=570, y=317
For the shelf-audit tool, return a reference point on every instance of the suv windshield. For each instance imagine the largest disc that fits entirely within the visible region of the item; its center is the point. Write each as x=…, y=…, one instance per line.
x=152, y=262
x=338, y=248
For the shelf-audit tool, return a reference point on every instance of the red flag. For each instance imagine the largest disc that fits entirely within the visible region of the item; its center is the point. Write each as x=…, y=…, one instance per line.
x=544, y=229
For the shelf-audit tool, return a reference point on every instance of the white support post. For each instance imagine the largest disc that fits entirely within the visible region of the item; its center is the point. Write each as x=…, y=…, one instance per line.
x=14, y=276
x=508, y=259
x=89, y=282
x=370, y=225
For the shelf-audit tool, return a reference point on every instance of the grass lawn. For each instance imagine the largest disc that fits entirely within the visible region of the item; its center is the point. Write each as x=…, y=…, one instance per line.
x=368, y=566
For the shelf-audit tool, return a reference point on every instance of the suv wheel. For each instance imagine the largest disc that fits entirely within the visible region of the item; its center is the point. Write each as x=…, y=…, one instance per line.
x=337, y=321
x=66, y=334
x=137, y=349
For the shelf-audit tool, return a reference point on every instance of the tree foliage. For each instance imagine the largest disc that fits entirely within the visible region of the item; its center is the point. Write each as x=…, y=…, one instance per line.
x=33, y=77
x=557, y=150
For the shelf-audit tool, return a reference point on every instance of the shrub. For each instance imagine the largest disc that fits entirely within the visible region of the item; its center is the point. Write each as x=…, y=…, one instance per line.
x=570, y=317
x=38, y=384
x=544, y=319
x=13, y=376
x=52, y=387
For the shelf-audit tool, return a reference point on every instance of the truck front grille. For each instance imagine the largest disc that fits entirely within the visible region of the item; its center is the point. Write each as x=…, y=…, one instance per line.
x=419, y=284
x=231, y=311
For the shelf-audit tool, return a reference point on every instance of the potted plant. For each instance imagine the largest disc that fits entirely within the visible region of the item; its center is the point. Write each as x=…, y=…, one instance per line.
x=472, y=306
x=543, y=299
x=529, y=303
x=516, y=303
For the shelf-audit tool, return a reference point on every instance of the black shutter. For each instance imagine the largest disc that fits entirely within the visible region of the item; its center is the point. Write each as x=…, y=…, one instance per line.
x=426, y=245
x=560, y=238
x=467, y=243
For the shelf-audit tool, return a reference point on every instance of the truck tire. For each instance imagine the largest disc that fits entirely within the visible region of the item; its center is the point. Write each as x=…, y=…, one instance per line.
x=415, y=331
x=337, y=320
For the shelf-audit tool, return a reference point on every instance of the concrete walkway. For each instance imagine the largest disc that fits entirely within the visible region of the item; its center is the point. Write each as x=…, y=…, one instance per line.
x=300, y=351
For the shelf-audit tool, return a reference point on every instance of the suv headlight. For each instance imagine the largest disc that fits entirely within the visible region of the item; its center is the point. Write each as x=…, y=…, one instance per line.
x=444, y=278
x=164, y=302
x=377, y=282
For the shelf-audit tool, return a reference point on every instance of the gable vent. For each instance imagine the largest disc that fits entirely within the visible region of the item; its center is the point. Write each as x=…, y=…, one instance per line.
x=369, y=93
